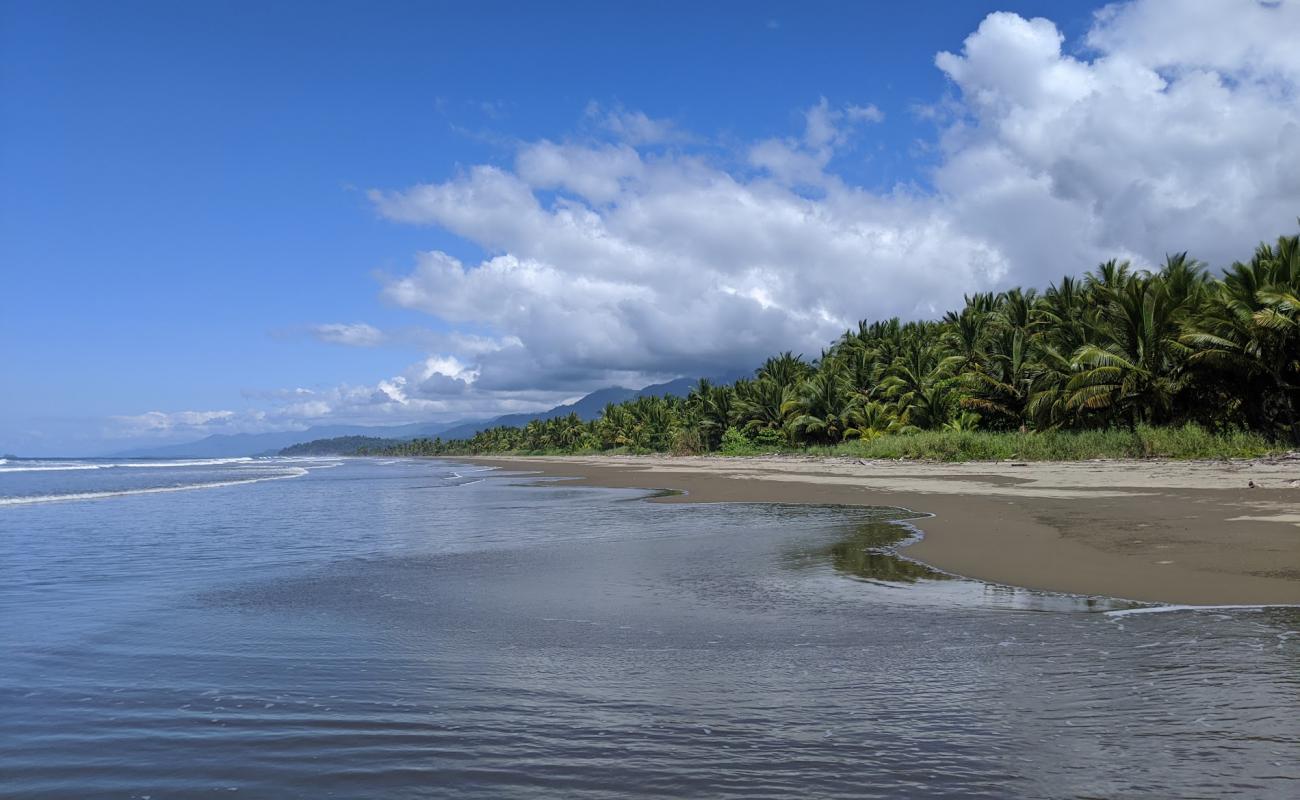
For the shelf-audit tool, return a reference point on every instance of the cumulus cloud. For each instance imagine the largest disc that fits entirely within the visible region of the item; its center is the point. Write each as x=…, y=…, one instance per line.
x=608, y=256
x=1146, y=148
x=804, y=160
x=630, y=254
x=434, y=389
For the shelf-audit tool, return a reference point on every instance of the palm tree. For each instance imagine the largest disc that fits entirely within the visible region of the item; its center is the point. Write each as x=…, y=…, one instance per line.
x=1135, y=370
x=917, y=383
x=874, y=418
x=714, y=411
x=966, y=336
x=999, y=388
x=785, y=369
x=1249, y=329
x=759, y=403
x=824, y=406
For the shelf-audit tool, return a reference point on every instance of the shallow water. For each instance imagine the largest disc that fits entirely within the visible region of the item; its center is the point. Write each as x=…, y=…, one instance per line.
x=396, y=628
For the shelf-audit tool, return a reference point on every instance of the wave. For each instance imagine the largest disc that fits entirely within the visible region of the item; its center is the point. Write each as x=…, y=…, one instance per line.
x=51, y=468
x=71, y=467
x=1128, y=612
x=199, y=462
x=297, y=472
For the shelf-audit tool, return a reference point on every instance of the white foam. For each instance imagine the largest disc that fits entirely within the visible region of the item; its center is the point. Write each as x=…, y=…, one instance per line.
x=1127, y=612
x=52, y=468
x=73, y=466
x=297, y=472
x=201, y=462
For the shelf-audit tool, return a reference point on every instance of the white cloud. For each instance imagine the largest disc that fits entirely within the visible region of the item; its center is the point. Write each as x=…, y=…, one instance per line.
x=1248, y=38
x=1176, y=126
x=595, y=173
x=356, y=334
x=803, y=161
x=610, y=256
x=167, y=423
x=633, y=127
x=1141, y=150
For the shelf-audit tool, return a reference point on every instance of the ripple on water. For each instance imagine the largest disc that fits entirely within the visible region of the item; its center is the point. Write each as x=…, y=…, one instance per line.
x=364, y=632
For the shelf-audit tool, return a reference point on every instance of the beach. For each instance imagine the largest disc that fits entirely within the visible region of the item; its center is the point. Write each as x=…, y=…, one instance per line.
x=1177, y=532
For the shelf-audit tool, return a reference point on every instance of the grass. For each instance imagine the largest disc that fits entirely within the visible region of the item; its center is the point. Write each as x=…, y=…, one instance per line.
x=1187, y=442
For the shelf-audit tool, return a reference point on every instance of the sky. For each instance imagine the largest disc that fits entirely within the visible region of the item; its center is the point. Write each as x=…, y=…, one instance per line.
x=230, y=217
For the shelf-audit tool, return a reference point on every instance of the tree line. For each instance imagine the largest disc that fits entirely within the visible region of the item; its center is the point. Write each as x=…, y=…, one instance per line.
x=1116, y=349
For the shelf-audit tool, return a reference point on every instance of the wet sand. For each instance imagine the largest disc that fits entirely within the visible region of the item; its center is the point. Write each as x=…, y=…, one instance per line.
x=1159, y=531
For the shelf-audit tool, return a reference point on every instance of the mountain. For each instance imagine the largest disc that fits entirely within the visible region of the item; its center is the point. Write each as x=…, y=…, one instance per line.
x=587, y=408
x=222, y=445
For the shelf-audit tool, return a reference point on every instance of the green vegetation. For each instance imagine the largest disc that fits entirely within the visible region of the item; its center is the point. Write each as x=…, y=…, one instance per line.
x=1188, y=441
x=1120, y=363
x=340, y=446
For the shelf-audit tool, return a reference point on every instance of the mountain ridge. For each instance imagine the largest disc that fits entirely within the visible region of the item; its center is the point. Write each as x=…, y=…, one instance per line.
x=587, y=407
x=224, y=445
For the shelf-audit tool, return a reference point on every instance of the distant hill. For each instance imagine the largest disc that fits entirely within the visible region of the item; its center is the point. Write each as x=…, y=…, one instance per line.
x=223, y=445
x=587, y=408
x=339, y=446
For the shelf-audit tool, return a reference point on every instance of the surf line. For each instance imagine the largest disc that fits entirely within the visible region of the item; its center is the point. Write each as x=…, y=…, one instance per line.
x=1165, y=609
x=298, y=472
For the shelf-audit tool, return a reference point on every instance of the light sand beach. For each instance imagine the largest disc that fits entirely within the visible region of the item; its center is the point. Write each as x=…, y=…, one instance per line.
x=1160, y=531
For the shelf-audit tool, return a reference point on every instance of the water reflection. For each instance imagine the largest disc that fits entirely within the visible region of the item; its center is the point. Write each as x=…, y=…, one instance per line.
x=364, y=632
x=867, y=551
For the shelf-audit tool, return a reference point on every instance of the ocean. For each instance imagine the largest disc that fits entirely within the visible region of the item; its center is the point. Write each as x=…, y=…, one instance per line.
x=367, y=628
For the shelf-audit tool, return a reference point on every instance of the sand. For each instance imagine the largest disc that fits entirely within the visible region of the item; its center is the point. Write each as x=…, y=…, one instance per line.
x=1159, y=531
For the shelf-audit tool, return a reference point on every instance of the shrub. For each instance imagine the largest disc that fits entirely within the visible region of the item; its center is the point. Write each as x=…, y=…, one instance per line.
x=736, y=443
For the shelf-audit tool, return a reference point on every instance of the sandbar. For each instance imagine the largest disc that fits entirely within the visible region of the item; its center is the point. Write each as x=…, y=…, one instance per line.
x=1179, y=532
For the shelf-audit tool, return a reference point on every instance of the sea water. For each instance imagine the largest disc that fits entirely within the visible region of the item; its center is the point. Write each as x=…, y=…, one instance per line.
x=415, y=628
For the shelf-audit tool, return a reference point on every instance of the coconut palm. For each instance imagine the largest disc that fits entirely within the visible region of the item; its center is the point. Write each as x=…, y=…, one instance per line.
x=824, y=406
x=917, y=382
x=1135, y=370
x=1249, y=329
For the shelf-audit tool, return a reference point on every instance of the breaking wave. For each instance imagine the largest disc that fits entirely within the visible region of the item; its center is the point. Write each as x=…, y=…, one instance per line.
x=292, y=472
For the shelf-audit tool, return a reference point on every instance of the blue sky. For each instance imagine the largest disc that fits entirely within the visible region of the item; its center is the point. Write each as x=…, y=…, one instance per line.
x=189, y=191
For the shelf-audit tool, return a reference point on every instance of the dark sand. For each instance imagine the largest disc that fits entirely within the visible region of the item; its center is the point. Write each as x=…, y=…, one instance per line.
x=1168, y=532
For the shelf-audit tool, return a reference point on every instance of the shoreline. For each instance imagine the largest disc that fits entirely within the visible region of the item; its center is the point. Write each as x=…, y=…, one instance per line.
x=1177, y=532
